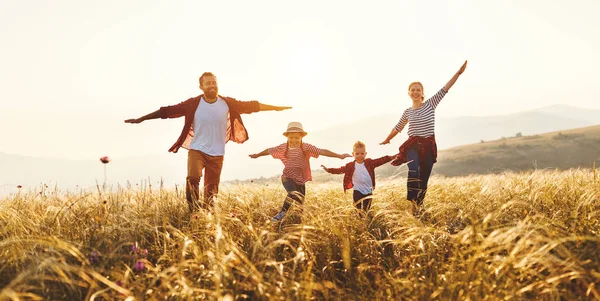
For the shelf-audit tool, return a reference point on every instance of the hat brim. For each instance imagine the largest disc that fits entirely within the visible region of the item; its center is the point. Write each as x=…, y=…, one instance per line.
x=303, y=133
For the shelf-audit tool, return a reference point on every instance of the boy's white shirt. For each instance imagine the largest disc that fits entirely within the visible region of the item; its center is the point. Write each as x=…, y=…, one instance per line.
x=361, y=180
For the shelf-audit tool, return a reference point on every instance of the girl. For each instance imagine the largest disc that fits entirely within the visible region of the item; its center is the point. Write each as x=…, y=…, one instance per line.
x=420, y=150
x=295, y=156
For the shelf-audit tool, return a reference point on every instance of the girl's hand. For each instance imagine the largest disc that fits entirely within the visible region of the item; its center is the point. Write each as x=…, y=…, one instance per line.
x=344, y=156
x=325, y=168
x=254, y=156
x=282, y=108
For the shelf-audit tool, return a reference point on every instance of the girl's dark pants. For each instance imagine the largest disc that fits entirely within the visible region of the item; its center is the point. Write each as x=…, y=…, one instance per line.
x=295, y=192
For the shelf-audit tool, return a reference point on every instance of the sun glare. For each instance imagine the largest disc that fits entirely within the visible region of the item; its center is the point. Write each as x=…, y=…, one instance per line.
x=307, y=65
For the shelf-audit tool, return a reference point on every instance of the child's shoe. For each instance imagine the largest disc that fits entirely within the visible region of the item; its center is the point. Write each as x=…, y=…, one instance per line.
x=278, y=217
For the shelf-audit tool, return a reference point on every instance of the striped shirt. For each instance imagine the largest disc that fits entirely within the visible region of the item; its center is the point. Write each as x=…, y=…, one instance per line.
x=421, y=121
x=296, y=161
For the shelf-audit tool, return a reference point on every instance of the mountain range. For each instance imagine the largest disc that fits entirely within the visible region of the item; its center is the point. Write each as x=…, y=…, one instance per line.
x=170, y=169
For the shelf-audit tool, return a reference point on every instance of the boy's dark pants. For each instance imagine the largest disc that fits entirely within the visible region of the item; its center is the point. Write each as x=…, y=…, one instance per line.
x=362, y=201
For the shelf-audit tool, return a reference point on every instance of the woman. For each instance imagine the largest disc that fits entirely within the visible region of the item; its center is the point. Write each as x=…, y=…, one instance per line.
x=420, y=150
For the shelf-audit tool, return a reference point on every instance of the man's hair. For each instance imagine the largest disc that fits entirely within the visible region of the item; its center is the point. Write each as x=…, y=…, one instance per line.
x=359, y=144
x=205, y=74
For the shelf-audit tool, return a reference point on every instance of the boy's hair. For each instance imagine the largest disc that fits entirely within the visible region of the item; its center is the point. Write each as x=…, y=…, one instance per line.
x=358, y=144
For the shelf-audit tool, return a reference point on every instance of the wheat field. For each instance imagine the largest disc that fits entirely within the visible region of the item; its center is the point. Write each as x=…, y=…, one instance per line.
x=512, y=236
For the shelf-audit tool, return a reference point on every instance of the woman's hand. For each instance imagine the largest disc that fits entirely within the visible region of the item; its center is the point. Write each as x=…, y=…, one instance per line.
x=462, y=68
x=455, y=77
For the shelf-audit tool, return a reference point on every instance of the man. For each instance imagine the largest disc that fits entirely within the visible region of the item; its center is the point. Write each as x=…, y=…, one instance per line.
x=211, y=121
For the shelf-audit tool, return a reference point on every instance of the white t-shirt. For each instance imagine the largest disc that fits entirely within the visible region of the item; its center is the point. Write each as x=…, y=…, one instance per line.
x=361, y=180
x=210, y=127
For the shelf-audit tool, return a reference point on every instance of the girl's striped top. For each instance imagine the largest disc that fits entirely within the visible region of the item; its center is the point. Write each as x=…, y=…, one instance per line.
x=296, y=161
x=421, y=121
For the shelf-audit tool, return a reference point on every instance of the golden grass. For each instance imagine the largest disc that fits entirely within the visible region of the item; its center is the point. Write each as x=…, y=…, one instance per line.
x=531, y=235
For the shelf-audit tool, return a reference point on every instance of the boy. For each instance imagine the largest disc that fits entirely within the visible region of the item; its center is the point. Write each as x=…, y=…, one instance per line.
x=360, y=175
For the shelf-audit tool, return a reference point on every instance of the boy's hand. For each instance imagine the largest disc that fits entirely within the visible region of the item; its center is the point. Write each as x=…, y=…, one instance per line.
x=344, y=156
x=325, y=168
x=254, y=156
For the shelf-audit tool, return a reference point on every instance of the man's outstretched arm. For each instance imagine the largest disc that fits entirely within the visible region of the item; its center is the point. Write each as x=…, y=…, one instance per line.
x=174, y=111
x=248, y=107
x=265, y=107
x=153, y=115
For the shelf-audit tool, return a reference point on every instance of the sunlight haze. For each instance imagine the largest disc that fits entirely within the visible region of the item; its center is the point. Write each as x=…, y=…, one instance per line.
x=72, y=71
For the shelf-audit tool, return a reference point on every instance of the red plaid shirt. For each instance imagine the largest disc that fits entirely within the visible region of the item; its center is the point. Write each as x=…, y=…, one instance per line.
x=296, y=161
x=427, y=144
x=348, y=170
x=235, y=127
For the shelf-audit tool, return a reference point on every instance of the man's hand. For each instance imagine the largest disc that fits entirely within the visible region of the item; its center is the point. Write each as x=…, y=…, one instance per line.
x=385, y=142
x=134, y=120
x=254, y=156
x=265, y=107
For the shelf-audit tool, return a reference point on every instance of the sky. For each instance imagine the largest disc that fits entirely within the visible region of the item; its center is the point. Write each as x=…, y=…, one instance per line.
x=72, y=71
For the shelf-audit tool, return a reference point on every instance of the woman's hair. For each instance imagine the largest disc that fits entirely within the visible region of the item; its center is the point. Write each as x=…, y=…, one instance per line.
x=359, y=144
x=422, y=88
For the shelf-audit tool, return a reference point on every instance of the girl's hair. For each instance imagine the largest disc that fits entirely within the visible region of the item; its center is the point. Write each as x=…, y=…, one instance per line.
x=358, y=144
x=422, y=88
x=301, y=149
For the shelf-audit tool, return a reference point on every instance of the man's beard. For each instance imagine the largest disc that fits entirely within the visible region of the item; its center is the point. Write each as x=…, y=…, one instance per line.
x=211, y=93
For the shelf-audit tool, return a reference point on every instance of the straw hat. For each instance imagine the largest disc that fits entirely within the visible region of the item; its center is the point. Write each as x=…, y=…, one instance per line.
x=295, y=127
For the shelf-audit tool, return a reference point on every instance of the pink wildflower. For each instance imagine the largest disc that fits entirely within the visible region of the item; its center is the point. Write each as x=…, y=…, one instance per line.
x=139, y=266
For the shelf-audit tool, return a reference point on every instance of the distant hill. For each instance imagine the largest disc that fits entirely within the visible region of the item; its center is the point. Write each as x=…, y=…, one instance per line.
x=462, y=130
x=561, y=149
x=68, y=174
x=452, y=132
x=569, y=150
x=555, y=150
